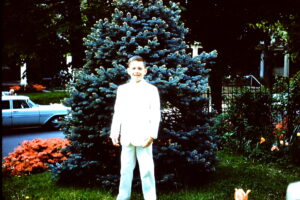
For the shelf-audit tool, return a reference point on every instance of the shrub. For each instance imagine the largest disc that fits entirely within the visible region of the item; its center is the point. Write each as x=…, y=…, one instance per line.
x=182, y=157
x=16, y=88
x=295, y=146
x=154, y=31
x=38, y=87
x=247, y=126
x=34, y=156
x=285, y=147
x=262, y=125
x=28, y=88
x=286, y=113
x=222, y=128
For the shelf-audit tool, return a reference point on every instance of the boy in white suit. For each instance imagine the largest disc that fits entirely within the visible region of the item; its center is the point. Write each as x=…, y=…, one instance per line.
x=135, y=122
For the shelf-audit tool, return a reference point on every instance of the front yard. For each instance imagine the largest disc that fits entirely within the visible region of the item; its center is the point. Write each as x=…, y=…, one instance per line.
x=266, y=182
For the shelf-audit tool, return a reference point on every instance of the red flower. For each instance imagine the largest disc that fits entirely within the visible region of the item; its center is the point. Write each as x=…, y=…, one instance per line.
x=15, y=88
x=262, y=140
x=38, y=87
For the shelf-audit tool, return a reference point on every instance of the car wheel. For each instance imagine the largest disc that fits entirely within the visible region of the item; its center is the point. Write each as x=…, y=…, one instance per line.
x=53, y=123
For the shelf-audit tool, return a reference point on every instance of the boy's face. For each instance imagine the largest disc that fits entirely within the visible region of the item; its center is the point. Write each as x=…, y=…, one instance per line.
x=137, y=70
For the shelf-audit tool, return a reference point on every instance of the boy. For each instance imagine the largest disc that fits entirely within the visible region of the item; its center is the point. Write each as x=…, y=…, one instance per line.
x=136, y=121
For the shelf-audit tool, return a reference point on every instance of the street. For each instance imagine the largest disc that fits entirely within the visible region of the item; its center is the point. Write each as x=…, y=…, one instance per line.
x=13, y=138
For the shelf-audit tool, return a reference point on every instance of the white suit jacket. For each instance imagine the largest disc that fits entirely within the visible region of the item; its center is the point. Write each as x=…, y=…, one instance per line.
x=136, y=113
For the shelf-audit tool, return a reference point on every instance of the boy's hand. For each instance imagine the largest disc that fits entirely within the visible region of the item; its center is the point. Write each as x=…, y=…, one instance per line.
x=115, y=141
x=148, y=142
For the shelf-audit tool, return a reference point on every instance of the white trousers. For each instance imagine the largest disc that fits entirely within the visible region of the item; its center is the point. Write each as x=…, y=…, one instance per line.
x=293, y=191
x=129, y=155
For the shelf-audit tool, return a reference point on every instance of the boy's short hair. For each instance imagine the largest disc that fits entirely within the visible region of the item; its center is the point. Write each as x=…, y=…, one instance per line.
x=136, y=58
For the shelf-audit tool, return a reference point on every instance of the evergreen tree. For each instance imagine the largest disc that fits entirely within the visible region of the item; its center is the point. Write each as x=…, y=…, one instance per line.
x=154, y=31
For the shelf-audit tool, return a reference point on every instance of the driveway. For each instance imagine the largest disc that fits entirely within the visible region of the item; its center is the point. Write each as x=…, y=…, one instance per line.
x=13, y=138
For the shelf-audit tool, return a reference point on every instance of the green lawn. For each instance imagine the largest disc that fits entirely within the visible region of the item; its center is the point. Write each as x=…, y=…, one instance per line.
x=266, y=182
x=45, y=98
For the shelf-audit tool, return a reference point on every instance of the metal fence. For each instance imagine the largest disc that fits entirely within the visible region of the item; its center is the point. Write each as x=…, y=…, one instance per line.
x=286, y=113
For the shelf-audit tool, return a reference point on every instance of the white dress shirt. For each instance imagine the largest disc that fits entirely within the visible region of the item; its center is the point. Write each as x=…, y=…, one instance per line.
x=136, y=113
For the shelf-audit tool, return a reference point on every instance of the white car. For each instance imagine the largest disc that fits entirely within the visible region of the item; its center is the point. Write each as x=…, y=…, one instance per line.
x=21, y=111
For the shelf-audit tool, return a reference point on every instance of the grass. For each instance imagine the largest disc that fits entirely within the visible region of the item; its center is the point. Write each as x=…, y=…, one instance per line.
x=45, y=98
x=266, y=182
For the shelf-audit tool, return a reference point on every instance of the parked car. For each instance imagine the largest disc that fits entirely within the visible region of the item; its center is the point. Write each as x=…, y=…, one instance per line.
x=21, y=111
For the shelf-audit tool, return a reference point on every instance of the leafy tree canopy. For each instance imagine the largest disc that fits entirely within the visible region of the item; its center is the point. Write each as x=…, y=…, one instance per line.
x=41, y=33
x=224, y=25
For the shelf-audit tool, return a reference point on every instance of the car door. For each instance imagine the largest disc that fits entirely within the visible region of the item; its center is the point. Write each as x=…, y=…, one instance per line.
x=23, y=114
x=6, y=113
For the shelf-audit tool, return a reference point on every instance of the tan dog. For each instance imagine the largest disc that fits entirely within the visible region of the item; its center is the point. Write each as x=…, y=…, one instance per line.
x=240, y=194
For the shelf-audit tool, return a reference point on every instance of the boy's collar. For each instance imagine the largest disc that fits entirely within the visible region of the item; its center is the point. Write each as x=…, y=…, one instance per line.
x=134, y=82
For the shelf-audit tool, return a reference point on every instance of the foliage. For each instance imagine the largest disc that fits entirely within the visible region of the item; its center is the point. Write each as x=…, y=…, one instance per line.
x=251, y=117
x=266, y=181
x=237, y=22
x=92, y=10
x=284, y=147
x=61, y=79
x=294, y=40
x=223, y=128
x=295, y=148
x=262, y=125
x=154, y=31
x=44, y=28
x=286, y=115
x=47, y=31
x=34, y=156
x=38, y=41
x=276, y=31
x=247, y=126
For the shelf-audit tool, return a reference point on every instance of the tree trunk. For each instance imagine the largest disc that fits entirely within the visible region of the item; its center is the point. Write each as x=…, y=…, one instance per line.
x=76, y=33
x=215, y=83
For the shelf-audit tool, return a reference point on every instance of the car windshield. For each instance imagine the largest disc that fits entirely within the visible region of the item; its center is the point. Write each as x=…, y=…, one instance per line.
x=32, y=104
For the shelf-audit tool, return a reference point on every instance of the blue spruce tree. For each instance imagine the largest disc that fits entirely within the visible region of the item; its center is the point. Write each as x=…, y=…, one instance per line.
x=154, y=31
